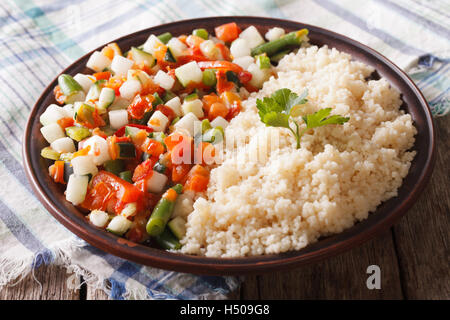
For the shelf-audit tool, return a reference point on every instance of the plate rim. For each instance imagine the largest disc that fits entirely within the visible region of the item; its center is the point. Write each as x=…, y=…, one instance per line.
x=240, y=265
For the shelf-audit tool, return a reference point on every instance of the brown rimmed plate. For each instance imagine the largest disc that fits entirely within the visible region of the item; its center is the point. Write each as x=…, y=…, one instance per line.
x=52, y=195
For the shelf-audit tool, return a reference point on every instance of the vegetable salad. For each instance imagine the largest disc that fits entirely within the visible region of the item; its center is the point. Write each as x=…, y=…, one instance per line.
x=123, y=139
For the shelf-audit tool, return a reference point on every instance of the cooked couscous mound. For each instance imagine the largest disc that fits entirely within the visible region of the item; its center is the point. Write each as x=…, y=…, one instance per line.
x=286, y=198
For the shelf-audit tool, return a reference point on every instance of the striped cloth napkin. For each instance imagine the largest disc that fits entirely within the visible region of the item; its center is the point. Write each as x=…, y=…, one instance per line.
x=38, y=39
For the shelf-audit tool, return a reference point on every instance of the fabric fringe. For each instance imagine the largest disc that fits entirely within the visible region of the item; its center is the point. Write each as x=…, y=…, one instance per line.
x=13, y=270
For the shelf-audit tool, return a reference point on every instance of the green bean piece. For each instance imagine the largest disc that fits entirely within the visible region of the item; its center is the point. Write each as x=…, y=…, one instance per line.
x=162, y=213
x=168, y=241
x=278, y=56
x=202, y=33
x=165, y=37
x=294, y=38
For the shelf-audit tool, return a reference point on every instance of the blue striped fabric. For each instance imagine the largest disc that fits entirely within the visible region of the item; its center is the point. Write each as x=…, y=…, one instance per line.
x=40, y=38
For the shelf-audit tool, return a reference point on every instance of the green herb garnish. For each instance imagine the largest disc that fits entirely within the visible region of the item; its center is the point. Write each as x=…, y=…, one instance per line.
x=280, y=108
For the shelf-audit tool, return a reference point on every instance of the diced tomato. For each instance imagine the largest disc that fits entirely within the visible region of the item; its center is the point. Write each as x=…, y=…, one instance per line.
x=227, y=32
x=224, y=51
x=174, y=139
x=105, y=75
x=220, y=65
x=244, y=76
x=98, y=197
x=153, y=147
x=124, y=191
x=140, y=105
x=144, y=169
x=234, y=110
x=217, y=109
x=183, y=59
x=198, y=178
x=115, y=83
x=180, y=171
x=113, y=148
x=222, y=83
x=89, y=119
x=160, y=51
x=209, y=100
x=151, y=87
x=65, y=122
x=57, y=171
x=59, y=95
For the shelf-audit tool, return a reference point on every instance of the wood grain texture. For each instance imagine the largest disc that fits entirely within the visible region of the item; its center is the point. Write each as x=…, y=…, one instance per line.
x=54, y=284
x=341, y=277
x=423, y=235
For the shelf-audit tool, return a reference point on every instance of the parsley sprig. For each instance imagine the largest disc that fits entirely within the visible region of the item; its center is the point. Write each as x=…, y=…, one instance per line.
x=279, y=109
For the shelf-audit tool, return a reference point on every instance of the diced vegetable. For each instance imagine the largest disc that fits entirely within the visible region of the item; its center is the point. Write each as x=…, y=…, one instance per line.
x=121, y=65
x=69, y=110
x=176, y=46
x=52, y=114
x=151, y=44
x=71, y=89
x=52, y=132
x=193, y=106
x=140, y=56
x=127, y=150
x=76, y=188
x=98, y=149
x=106, y=98
x=227, y=32
x=253, y=37
x=126, y=175
x=214, y=135
x=294, y=38
x=163, y=211
x=63, y=145
x=169, y=56
x=158, y=121
x=209, y=77
x=87, y=115
x=156, y=182
x=118, y=118
x=259, y=76
x=186, y=123
x=84, y=165
x=263, y=61
x=49, y=153
x=205, y=125
x=168, y=241
x=94, y=91
x=119, y=225
x=240, y=48
x=98, y=218
x=98, y=62
x=178, y=227
x=84, y=80
x=189, y=72
x=219, y=122
x=164, y=80
x=114, y=166
x=130, y=88
x=165, y=37
x=244, y=62
x=175, y=105
x=202, y=33
x=274, y=33
x=159, y=167
x=210, y=50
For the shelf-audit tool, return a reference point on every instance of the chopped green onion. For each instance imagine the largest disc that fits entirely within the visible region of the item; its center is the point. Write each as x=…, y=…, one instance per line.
x=206, y=125
x=191, y=97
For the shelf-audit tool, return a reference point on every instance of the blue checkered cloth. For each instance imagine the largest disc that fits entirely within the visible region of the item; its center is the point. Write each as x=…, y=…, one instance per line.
x=38, y=39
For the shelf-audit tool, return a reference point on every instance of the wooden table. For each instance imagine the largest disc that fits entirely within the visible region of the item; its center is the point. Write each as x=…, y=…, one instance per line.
x=413, y=257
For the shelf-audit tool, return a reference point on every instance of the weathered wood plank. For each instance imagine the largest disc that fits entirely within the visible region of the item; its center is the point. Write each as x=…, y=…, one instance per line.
x=423, y=236
x=340, y=277
x=56, y=283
